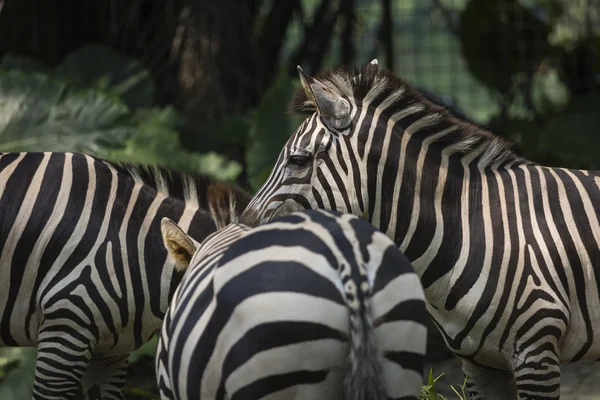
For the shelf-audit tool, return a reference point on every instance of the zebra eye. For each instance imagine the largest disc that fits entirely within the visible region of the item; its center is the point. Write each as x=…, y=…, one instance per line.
x=299, y=160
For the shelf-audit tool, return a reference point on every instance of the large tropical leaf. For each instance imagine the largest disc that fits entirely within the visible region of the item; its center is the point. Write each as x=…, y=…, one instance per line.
x=38, y=113
x=99, y=102
x=157, y=142
x=101, y=67
x=95, y=67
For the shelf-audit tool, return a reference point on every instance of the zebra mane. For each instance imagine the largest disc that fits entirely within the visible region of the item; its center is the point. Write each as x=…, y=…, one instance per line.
x=199, y=191
x=385, y=87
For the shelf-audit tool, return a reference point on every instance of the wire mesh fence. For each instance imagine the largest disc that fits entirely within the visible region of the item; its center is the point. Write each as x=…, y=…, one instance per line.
x=477, y=52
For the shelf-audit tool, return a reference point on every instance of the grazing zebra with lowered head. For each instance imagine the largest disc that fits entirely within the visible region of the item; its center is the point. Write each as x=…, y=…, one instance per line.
x=312, y=306
x=508, y=251
x=86, y=278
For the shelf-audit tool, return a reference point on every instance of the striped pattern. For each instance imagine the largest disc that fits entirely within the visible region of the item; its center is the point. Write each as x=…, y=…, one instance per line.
x=86, y=278
x=311, y=306
x=508, y=251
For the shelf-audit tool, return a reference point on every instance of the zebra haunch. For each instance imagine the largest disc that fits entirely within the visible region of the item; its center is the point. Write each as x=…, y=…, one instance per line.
x=508, y=251
x=312, y=306
x=86, y=279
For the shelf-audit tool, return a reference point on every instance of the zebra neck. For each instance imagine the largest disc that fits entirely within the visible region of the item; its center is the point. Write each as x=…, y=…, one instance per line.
x=433, y=210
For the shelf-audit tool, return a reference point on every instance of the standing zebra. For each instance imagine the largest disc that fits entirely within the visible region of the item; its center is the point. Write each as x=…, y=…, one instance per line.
x=86, y=279
x=311, y=306
x=508, y=251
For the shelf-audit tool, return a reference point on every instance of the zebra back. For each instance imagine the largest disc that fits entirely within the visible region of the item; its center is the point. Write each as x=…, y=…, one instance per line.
x=87, y=277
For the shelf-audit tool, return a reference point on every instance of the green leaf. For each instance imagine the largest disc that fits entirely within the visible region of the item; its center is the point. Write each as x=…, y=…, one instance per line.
x=462, y=395
x=157, y=142
x=44, y=114
x=103, y=68
x=83, y=107
x=270, y=129
x=428, y=391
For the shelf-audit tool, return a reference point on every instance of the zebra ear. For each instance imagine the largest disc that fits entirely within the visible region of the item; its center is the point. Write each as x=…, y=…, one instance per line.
x=372, y=67
x=333, y=108
x=179, y=245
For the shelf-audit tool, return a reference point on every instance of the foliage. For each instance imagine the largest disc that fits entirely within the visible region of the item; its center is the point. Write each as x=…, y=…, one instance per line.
x=261, y=131
x=547, y=95
x=429, y=392
x=102, y=68
x=488, y=32
x=39, y=112
x=97, y=102
x=158, y=143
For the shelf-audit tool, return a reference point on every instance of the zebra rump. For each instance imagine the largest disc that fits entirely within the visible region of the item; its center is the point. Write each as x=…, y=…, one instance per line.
x=311, y=305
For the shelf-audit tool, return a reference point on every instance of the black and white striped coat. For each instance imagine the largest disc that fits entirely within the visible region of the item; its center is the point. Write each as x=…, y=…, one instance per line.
x=312, y=306
x=508, y=251
x=85, y=277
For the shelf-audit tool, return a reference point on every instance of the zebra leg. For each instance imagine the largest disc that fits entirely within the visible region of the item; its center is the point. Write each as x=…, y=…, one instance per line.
x=60, y=365
x=105, y=378
x=537, y=375
x=484, y=384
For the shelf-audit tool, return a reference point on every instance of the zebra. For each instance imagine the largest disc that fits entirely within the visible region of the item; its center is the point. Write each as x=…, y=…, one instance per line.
x=86, y=279
x=507, y=250
x=314, y=305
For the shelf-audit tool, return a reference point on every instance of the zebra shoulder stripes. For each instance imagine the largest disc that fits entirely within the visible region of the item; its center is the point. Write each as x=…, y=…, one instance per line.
x=314, y=305
x=84, y=280
x=508, y=251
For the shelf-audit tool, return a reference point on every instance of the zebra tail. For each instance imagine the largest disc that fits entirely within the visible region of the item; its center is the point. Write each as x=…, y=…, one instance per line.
x=364, y=378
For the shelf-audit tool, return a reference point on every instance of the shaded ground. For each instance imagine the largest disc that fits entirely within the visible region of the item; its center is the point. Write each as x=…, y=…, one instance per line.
x=580, y=381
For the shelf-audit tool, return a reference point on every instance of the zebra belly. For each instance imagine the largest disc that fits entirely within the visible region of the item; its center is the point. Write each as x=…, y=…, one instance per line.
x=488, y=354
x=575, y=339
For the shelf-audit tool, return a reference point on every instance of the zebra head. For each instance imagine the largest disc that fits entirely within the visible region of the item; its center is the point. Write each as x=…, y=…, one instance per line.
x=370, y=145
x=317, y=166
